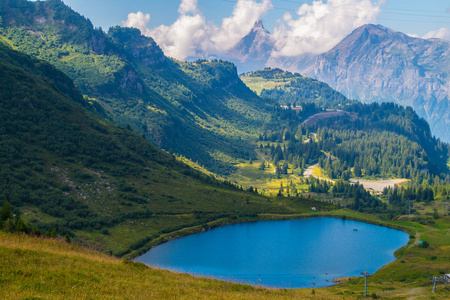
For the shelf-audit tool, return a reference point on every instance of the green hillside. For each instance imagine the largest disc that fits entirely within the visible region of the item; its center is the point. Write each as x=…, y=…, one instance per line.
x=315, y=130
x=380, y=140
x=200, y=110
x=37, y=268
x=75, y=159
x=63, y=168
x=294, y=90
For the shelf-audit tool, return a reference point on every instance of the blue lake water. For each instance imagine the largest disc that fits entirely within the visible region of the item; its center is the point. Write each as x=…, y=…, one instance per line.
x=285, y=254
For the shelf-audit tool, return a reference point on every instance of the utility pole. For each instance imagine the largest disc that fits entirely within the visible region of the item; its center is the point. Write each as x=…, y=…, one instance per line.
x=445, y=204
x=366, y=274
x=435, y=281
x=409, y=203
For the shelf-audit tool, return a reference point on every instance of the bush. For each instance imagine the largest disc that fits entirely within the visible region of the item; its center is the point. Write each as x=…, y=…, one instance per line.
x=424, y=244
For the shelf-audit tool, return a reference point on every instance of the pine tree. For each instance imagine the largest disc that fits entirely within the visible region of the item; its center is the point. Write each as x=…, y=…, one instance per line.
x=262, y=165
x=6, y=211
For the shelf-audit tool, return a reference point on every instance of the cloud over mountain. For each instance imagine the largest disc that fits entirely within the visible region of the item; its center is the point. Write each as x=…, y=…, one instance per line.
x=318, y=27
x=314, y=28
x=138, y=20
x=192, y=35
x=443, y=33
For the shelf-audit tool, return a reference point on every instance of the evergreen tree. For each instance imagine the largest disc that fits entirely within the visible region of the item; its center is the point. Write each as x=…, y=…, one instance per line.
x=6, y=212
x=262, y=165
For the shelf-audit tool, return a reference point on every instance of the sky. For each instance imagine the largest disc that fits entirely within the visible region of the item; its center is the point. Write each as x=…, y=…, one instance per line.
x=190, y=28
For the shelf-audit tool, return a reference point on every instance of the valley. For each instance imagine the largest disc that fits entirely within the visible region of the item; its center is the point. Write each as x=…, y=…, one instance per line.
x=108, y=148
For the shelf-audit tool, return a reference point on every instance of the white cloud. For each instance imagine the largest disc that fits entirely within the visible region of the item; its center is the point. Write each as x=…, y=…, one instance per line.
x=443, y=33
x=138, y=20
x=413, y=35
x=245, y=14
x=187, y=36
x=320, y=26
x=315, y=28
x=192, y=35
x=188, y=6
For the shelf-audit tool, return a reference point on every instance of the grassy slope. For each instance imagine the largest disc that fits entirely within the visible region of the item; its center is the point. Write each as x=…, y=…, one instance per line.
x=257, y=84
x=288, y=88
x=179, y=205
x=51, y=269
x=54, y=270
x=64, y=168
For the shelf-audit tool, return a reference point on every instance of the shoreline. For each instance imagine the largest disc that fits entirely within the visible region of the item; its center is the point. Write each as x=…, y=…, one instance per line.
x=222, y=222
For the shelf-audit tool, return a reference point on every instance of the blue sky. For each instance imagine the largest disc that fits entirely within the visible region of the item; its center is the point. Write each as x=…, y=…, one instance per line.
x=409, y=16
x=189, y=28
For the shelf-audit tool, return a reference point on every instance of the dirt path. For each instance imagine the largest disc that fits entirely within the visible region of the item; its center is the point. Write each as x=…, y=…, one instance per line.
x=308, y=172
x=292, y=175
x=314, y=118
x=378, y=185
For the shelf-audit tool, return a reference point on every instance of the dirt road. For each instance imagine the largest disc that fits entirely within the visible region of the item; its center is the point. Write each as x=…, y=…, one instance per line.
x=378, y=185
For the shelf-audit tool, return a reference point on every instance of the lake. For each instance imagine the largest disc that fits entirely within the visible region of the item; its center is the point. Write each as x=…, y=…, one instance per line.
x=284, y=254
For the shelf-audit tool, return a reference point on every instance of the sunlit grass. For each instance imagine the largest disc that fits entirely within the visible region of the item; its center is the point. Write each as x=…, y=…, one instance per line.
x=257, y=84
x=52, y=269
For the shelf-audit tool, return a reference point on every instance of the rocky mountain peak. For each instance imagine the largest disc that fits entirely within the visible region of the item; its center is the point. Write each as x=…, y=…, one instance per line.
x=369, y=38
x=375, y=63
x=253, y=50
x=256, y=44
x=258, y=25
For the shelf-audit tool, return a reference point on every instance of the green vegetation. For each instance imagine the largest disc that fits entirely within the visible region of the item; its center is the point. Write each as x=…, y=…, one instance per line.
x=198, y=110
x=93, y=181
x=67, y=170
x=294, y=90
x=377, y=141
x=50, y=269
x=371, y=141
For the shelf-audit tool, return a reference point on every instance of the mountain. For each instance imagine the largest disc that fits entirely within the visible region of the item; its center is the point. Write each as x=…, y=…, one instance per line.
x=252, y=51
x=200, y=110
x=375, y=63
x=384, y=140
x=62, y=167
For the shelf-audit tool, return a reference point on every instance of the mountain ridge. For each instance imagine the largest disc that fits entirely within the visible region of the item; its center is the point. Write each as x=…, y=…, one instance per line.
x=127, y=76
x=378, y=64
x=253, y=50
x=64, y=168
x=375, y=63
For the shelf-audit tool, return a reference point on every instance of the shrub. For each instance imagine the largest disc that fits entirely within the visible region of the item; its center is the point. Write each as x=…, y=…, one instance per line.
x=424, y=244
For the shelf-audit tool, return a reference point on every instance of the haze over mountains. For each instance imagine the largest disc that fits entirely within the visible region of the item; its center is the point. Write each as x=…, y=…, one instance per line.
x=375, y=63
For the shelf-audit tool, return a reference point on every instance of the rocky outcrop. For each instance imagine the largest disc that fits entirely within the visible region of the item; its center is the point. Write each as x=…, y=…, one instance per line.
x=256, y=45
x=141, y=48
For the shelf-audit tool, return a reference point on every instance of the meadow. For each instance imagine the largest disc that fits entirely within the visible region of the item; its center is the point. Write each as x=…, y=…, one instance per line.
x=42, y=268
